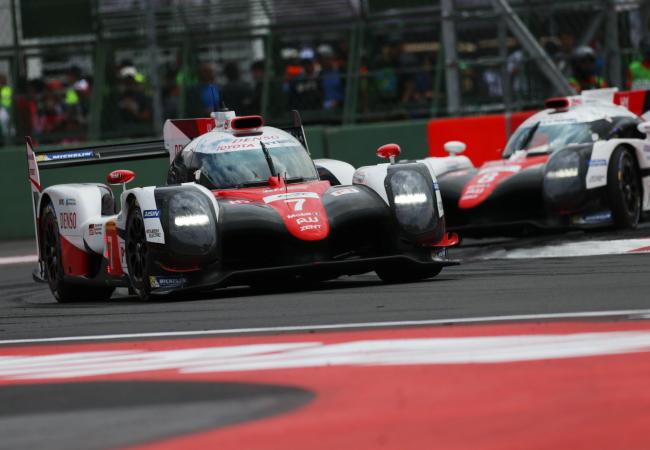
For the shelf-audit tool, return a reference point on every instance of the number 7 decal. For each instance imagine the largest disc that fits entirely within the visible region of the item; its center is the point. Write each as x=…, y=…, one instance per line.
x=297, y=203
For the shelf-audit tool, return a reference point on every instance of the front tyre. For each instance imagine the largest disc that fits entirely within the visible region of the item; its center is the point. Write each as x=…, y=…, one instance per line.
x=63, y=290
x=624, y=189
x=406, y=274
x=137, y=253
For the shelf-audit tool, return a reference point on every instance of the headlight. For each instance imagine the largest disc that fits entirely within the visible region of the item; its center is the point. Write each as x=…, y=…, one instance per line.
x=413, y=199
x=564, y=178
x=190, y=223
x=567, y=172
x=191, y=220
x=410, y=199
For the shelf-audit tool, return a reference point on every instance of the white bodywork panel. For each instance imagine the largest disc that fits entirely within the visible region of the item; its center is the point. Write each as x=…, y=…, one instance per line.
x=77, y=206
x=444, y=164
x=340, y=169
x=600, y=160
x=150, y=213
x=375, y=176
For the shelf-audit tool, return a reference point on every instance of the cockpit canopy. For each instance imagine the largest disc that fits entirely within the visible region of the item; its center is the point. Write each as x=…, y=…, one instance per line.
x=547, y=136
x=226, y=161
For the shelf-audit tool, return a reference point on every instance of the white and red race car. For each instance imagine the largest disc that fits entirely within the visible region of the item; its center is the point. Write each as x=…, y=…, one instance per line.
x=244, y=204
x=583, y=162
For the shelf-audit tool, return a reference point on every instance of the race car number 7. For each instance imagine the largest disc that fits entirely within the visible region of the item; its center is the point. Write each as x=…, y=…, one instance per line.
x=297, y=203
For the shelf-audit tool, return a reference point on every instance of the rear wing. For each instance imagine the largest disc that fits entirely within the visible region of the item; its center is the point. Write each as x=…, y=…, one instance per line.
x=82, y=156
x=638, y=102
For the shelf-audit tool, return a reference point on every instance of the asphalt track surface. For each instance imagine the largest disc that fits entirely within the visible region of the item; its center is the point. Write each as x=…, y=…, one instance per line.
x=150, y=411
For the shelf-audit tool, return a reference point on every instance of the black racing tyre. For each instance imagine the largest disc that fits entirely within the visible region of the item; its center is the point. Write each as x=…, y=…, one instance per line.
x=624, y=188
x=136, y=253
x=63, y=291
x=406, y=274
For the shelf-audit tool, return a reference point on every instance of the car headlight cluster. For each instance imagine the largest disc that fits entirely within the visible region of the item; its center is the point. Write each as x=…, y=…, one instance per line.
x=191, y=227
x=566, y=172
x=564, y=177
x=413, y=200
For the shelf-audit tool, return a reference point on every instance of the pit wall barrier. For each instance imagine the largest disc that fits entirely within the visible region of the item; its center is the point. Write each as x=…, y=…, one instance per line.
x=485, y=136
x=355, y=144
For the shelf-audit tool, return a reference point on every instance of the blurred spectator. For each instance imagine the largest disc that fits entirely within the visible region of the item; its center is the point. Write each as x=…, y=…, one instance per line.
x=331, y=81
x=6, y=102
x=638, y=73
x=77, y=92
x=52, y=116
x=236, y=94
x=26, y=108
x=566, y=43
x=127, y=68
x=385, y=85
x=204, y=97
x=516, y=67
x=134, y=106
x=257, y=74
x=305, y=89
x=583, y=65
x=170, y=95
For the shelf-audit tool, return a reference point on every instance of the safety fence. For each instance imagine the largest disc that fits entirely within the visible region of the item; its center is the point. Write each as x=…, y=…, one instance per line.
x=128, y=65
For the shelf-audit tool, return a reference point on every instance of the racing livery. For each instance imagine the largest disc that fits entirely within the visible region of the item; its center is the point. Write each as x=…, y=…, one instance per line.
x=244, y=204
x=583, y=162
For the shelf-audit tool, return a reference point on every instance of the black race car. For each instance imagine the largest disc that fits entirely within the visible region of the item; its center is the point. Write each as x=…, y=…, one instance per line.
x=244, y=204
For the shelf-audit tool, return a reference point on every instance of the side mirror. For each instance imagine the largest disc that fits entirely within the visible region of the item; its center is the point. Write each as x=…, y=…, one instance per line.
x=389, y=151
x=644, y=127
x=120, y=177
x=455, y=147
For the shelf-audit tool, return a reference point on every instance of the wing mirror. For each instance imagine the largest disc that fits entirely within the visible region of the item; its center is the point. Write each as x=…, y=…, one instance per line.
x=389, y=151
x=455, y=147
x=644, y=127
x=121, y=176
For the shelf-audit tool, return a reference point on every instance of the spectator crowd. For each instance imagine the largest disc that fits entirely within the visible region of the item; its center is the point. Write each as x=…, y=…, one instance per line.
x=395, y=75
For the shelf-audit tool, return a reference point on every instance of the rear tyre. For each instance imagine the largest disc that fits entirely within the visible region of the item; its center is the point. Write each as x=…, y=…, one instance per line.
x=406, y=275
x=624, y=189
x=63, y=291
x=136, y=253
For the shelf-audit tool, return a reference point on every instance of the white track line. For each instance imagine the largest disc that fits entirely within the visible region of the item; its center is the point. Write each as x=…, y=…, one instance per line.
x=21, y=259
x=640, y=313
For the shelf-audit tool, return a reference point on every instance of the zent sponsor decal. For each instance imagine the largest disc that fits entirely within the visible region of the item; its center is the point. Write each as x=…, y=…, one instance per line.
x=68, y=221
x=151, y=213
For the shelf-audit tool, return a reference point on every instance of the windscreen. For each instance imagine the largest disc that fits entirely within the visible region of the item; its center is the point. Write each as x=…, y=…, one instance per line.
x=548, y=137
x=250, y=167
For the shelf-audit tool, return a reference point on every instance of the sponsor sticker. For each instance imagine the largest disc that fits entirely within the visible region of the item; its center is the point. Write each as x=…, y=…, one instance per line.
x=95, y=229
x=61, y=202
x=290, y=196
x=70, y=202
x=153, y=233
x=590, y=219
x=158, y=282
x=151, y=213
x=310, y=227
x=68, y=221
x=344, y=191
x=597, y=162
x=596, y=178
x=59, y=156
